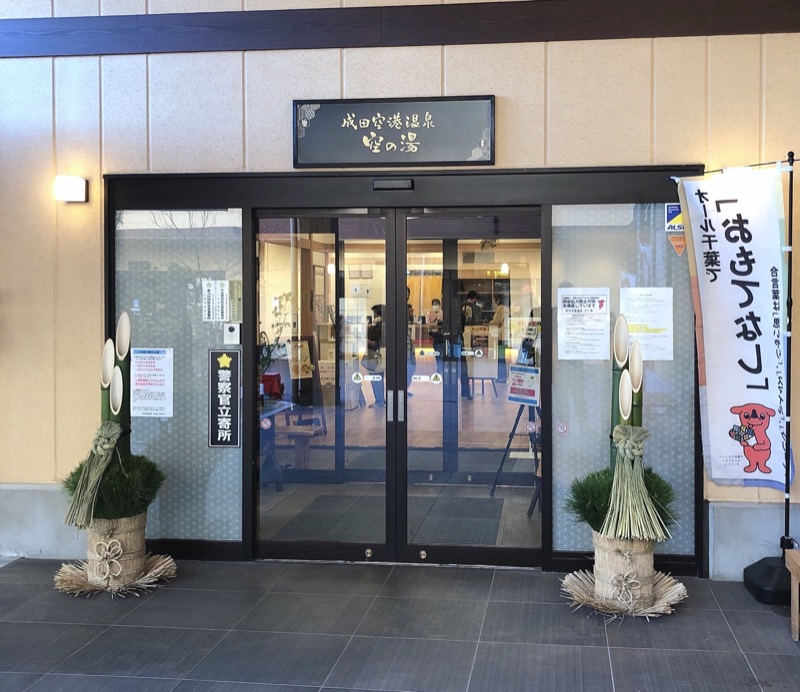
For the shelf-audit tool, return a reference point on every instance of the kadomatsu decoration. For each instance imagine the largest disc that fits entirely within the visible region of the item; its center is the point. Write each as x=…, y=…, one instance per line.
x=110, y=492
x=627, y=506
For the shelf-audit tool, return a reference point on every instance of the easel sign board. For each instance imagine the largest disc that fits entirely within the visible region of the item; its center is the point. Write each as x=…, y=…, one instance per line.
x=523, y=385
x=300, y=361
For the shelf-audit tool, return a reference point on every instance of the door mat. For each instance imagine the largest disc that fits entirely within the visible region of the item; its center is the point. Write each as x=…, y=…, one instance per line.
x=431, y=520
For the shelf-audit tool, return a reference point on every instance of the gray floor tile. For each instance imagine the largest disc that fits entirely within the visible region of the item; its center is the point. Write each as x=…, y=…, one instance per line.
x=762, y=632
x=229, y=576
x=732, y=595
x=439, y=582
x=686, y=629
x=54, y=606
x=192, y=608
x=378, y=663
x=526, y=667
x=28, y=571
x=142, y=652
x=100, y=683
x=13, y=595
x=39, y=647
x=776, y=672
x=360, y=580
x=527, y=586
x=16, y=682
x=636, y=670
x=424, y=618
x=541, y=623
x=204, y=686
x=309, y=613
x=700, y=594
x=288, y=659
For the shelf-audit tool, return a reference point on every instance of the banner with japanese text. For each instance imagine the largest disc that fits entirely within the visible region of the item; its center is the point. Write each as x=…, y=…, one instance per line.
x=736, y=227
x=224, y=381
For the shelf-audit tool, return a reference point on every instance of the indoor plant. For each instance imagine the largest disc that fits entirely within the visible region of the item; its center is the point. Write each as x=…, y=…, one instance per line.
x=271, y=347
x=110, y=492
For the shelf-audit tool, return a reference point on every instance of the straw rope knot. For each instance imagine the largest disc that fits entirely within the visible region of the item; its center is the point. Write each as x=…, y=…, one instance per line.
x=625, y=555
x=108, y=554
x=104, y=444
x=624, y=586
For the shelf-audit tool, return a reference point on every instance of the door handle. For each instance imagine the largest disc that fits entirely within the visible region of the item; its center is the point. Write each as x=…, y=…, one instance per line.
x=401, y=400
x=389, y=406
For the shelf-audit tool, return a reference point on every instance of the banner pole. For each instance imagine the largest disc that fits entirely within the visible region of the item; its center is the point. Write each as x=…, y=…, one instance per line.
x=768, y=579
x=787, y=542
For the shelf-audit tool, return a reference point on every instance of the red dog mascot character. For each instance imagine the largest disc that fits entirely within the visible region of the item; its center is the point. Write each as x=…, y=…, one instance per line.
x=754, y=419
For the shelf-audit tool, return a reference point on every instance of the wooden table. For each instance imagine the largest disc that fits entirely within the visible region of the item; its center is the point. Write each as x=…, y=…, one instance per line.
x=793, y=565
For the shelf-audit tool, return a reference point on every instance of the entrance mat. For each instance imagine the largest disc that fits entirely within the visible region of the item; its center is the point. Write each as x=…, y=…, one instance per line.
x=431, y=520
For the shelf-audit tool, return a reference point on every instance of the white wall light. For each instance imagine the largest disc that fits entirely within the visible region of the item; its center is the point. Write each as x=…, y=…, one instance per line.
x=71, y=188
x=504, y=268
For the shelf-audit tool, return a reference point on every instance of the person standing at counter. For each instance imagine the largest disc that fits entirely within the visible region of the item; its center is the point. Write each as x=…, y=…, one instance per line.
x=411, y=356
x=499, y=320
x=433, y=319
x=373, y=359
x=471, y=313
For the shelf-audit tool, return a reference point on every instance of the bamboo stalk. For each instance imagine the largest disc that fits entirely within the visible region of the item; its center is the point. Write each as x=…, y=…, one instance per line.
x=636, y=369
x=619, y=362
x=106, y=371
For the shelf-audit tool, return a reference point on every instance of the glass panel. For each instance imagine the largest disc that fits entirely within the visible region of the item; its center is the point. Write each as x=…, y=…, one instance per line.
x=614, y=247
x=460, y=421
x=322, y=430
x=179, y=276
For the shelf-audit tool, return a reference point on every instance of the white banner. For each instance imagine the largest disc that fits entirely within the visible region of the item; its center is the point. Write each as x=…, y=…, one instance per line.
x=736, y=225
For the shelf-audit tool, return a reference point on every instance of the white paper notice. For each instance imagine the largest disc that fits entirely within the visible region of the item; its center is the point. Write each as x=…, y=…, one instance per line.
x=216, y=300
x=649, y=315
x=151, y=382
x=583, y=324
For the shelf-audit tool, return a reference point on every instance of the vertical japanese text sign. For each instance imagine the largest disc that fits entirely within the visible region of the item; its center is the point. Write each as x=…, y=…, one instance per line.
x=223, y=398
x=736, y=226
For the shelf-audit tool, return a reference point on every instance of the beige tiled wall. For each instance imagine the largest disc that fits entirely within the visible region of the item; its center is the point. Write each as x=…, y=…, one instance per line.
x=273, y=80
x=718, y=101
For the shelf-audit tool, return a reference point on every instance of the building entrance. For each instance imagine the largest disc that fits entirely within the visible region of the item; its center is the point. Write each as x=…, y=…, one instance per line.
x=386, y=338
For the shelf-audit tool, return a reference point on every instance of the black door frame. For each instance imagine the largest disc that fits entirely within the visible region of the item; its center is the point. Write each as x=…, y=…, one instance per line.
x=499, y=188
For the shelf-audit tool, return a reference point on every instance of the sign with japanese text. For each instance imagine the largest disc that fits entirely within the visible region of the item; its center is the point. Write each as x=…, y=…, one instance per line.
x=151, y=382
x=736, y=225
x=648, y=311
x=216, y=300
x=583, y=324
x=523, y=385
x=446, y=131
x=223, y=398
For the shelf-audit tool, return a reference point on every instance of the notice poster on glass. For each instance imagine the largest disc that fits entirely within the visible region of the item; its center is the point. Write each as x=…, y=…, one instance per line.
x=648, y=312
x=583, y=324
x=216, y=300
x=151, y=382
x=523, y=385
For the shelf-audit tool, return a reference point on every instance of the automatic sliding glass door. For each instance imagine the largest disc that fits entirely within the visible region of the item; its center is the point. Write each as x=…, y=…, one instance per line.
x=472, y=478
x=383, y=414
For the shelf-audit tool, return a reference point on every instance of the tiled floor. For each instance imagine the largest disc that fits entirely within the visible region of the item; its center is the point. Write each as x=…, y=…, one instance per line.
x=299, y=627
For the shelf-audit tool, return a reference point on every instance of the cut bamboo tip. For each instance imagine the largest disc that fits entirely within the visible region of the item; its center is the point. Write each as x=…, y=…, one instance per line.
x=625, y=398
x=123, y=336
x=107, y=364
x=116, y=391
x=636, y=366
x=621, y=337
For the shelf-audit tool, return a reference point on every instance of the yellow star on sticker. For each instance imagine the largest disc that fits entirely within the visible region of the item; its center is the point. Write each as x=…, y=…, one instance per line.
x=224, y=361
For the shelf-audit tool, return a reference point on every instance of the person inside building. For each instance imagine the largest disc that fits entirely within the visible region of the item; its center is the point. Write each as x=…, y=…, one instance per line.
x=433, y=319
x=499, y=320
x=471, y=314
x=373, y=358
x=411, y=356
